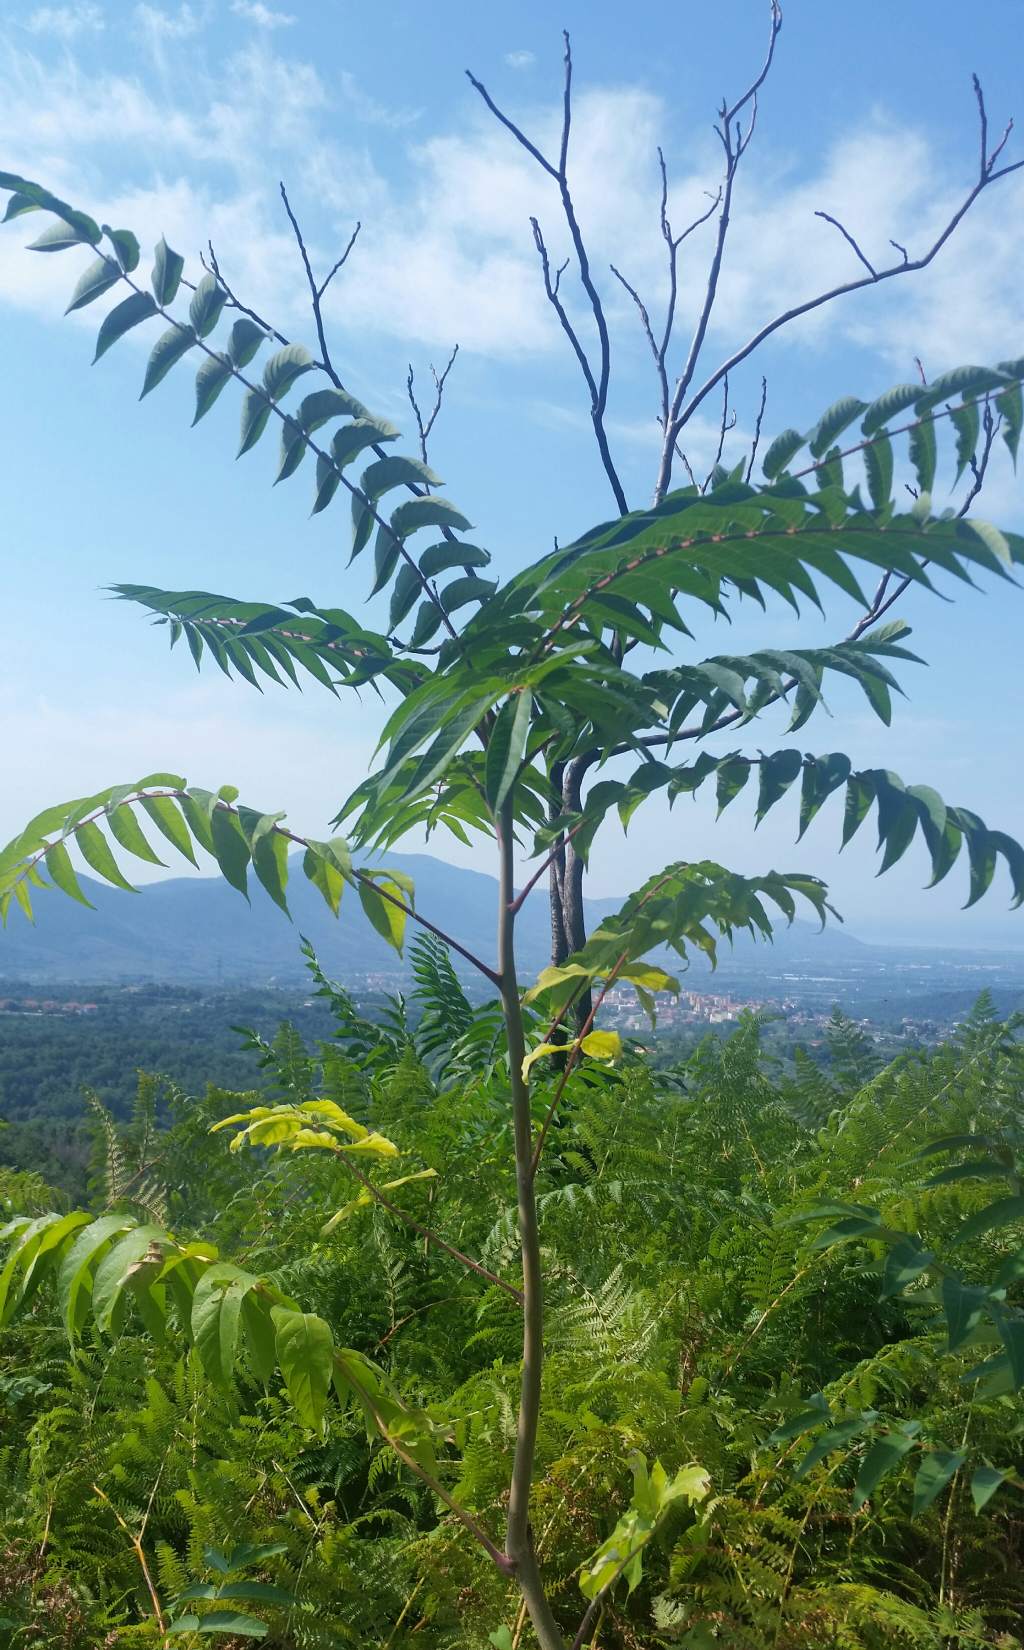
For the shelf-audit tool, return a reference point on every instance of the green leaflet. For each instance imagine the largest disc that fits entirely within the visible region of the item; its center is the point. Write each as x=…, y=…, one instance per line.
x=506, y=747
x=207, y=305
x=780, y=451
x=216, y=1318
x=256, y=410
x=427, y=512
x=883, y=1457
x=74, y=1281
x=282, y=370
x=169, y=823
x=211, y=378
x=387, y=918
x=937, y=1468
x=96, y=280
x=167, y=351
x=126, y=247
x=984, y=1483
x=244, y=340
x=139, y=307
x=305, y=1352
x=167, y=272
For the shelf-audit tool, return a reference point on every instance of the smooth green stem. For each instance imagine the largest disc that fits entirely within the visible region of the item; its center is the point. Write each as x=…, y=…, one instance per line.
x=518, y=1538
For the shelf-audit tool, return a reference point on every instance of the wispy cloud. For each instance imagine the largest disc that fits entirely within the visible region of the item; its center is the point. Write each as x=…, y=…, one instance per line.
x=261, y=16
x=446, y=253
x=66, y=22
x=520, y=60
x=157, y=24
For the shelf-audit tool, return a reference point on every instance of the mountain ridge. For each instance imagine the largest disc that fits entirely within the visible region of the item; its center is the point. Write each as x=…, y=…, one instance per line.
x=194, y=930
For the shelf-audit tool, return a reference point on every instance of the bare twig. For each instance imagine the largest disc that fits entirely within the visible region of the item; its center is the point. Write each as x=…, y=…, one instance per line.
x=868, y=265
x=317, y=291
x=725, y=425
x=596, y=377
x=734, y=143
x=425, y=426
x=684, y=409
x=757, y=429
x=234, y=302
x=424, y=1231
x=659, y=348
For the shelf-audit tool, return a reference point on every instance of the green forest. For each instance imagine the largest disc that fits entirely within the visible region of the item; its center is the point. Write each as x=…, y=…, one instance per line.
x=774, y=1378
x=470, y=1322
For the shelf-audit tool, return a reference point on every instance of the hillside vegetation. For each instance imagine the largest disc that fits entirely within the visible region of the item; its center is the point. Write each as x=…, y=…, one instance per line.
x=841, y=1477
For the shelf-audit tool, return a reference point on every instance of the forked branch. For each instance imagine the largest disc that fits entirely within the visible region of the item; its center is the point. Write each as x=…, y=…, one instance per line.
x=596, y=375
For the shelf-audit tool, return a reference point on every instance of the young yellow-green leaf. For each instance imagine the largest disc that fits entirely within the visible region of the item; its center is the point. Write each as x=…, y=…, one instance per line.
x=333, y=1114
x=602, y=1045
x=376, y=1144
x=167, y=270
x=305, y=1353
x=124, y=316
x=539, y=1052
x=96, y=280
x=167, y=351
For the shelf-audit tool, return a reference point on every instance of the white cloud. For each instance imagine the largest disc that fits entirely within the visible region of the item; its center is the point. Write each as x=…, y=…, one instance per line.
x=261, y=16
x=65, y=22
x=159, y=25
x=447, y=255
x=520, y=60
x=367, y=108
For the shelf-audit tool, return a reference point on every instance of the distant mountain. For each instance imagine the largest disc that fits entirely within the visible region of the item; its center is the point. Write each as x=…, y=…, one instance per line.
x=197, y=929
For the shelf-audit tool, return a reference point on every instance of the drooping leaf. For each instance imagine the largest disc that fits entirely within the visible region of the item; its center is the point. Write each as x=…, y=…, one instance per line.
x=124, y=316
x=305, y=1352
x=167, y=351
x=93, y=283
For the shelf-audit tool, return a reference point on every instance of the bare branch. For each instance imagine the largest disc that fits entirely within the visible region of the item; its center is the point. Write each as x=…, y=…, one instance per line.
x=757, y=429
x=551, y=285
x=725, y=425
x=325, y=283
x=734, y=145
x=596, y=377
x=906, y=266
x=425, y=426
x=234, y=302
x=317, y=292
x=868, y=265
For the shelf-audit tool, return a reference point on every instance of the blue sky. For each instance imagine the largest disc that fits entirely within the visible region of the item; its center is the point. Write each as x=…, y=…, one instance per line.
x=181, y=119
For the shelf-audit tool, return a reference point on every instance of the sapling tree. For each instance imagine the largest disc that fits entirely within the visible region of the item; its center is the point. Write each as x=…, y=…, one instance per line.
x=502, y=700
